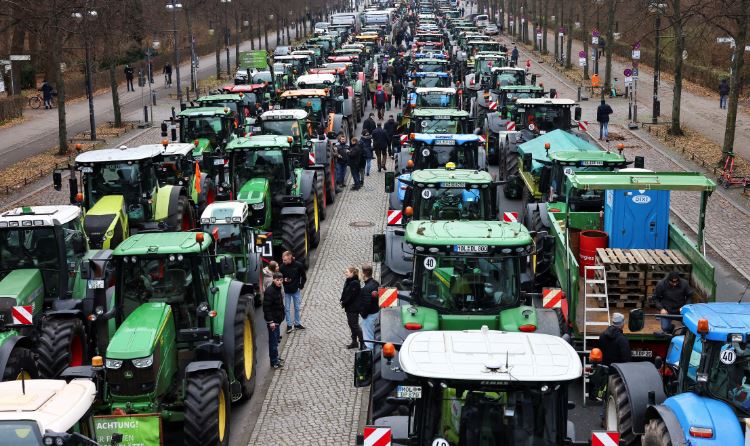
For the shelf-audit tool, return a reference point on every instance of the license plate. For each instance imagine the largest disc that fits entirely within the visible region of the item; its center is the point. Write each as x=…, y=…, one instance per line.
x=412, y=392
x=218, y=162
x=449, y=184
x=444, y=142
x=96, y=284
x=642, y=354
x=470, y=248
x=86, y=169
x=592, y=163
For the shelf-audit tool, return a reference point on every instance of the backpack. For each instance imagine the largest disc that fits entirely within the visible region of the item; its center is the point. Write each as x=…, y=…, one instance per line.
x=380, y=97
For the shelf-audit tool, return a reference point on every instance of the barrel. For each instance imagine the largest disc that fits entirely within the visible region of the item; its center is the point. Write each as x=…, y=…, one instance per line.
x=589, y=241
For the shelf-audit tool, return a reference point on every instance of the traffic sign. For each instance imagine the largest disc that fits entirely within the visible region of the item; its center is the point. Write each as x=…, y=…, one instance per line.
x=636, y=54
x=20, y=57
x=582, y=61
x=4, y=62
x=595, y=33
x=635, y=73
x=581, y=54
x=724, y=40
x=637, y=45
x=628, y=72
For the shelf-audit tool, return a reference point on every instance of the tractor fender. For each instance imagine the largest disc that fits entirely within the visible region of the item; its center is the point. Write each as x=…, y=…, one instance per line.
x=230, y=309
x=495, y=122
x=200, y=366
x=693, y=410
x=670, y=421
x=294, y=210
x=166, y=202
x=338, y=124
x=7, y=348
x=639, y=379
x=392, y=330
x=307, y=181
x=254, y=266
x=398, y=253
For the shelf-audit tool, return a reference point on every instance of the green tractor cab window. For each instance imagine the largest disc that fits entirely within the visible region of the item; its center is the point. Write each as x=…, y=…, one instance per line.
x=451, y=204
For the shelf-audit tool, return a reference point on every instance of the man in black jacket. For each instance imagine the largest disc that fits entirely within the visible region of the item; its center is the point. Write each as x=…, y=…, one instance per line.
x=602, y=116
x=273, y=313
x=368, y=304
x=390, y=129
x=369, y=124
x=294, y=280
x=670, y=294
x=380, y=145
x=613, y=343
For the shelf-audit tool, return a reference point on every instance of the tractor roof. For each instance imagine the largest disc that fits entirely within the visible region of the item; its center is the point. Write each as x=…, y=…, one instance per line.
x=559, y=141
x=39, y=216
x=429, y=74
x=221, y=212
x=723, y=318
x=120, y=154
x=284, y=115
x=223, y=97
x=260, y=142
x=445, y=138
x=516, y=69
x=331, y=71
x=490, y=55
x=315, y=79
x=304, y=92
x=290, y=57
x=54, y=404
x=157, y=243
x=205, y=111
x=455, y=176
x=438, y=113
x=173, y=148
x=489, y=356
x=485, y=233
x=512, y=88
x=546, y=101
x=431, y=60
x=244, y=88
x=428, y=90
x=689, y=181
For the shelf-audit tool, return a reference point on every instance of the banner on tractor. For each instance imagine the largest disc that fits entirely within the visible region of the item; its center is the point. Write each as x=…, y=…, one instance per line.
x=141, y=430
x=253, y=59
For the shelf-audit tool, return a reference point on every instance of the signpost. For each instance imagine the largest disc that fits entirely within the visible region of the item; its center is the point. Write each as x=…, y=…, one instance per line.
x=631, y=78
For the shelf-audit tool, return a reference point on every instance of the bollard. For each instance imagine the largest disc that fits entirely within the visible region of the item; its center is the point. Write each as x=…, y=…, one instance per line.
x=145, y=114
x=153, y=97
x=173, y=114
x=579, y=94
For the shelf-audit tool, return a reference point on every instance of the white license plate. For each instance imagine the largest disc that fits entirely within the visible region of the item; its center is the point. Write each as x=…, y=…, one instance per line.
x=470, y=248
x=642, y=354
x=413, y=392
x=86, y=169
x=218, y=162
x=444, y=142
x=95, y=284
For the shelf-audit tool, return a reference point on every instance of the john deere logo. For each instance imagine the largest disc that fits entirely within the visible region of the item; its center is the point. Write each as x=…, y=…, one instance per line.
x=641, y=199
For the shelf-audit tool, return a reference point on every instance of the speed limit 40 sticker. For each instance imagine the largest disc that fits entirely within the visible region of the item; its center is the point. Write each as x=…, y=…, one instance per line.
x=430, y=263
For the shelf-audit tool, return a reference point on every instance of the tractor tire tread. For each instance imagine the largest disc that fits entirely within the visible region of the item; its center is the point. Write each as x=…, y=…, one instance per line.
x=53, y=350
x=201, y=408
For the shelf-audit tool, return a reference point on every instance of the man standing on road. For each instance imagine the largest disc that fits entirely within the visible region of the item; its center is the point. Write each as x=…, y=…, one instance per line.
x=514, y=57
x=369, y=124
x=602, y=116
x=379, y=100
x=129, y=77
x=355, y=161
x=671, y=293
x=723, y=93
x=273, y=313
x=390, y=129
x=368, y=306
x=380, y=143
x=168, y=74
x=294, y=280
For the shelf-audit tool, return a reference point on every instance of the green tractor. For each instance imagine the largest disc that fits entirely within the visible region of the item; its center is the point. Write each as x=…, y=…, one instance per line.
x=466, y=274
x=241, y=106
x=268, y=174
x=176, y=166
x=122, y=195
x=184, y=348
x=500, y=105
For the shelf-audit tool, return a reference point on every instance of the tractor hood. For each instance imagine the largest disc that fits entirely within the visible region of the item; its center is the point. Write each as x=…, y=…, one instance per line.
x=253, y=191
x=136, y=337
x=101, y=219
x=21, y=287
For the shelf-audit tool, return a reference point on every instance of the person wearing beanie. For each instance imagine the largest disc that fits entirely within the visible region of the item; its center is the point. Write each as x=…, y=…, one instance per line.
x=614, y=345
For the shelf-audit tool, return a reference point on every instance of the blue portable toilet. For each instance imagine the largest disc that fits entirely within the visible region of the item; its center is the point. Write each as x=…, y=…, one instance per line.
x=637, y=219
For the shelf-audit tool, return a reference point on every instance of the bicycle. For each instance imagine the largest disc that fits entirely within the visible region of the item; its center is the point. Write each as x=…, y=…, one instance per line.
x=37, y=101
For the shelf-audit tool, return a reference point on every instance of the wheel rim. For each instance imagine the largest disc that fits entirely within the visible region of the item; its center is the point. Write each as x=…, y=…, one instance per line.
x=222, y=415
x=247, y=349
x=315, y=212
x=611, y=415
x=76, y=352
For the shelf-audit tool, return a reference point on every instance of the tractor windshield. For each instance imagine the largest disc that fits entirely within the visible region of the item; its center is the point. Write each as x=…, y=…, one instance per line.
x=485, y=66
x=432, y=67
x=504, y=78
x=228, y=237
x=547, y=118
x=249, y=164
x=123, y=178
x=729, y=374
x=437, y=126
x=281, y=128
x=507, y=97
x=20, y=433
x=436, y=99
x=463, y=156
x=450, y=204
x=28, y=248
x=311, y=104
x=212, y=128
x=433, y=81
x=468, y=284
x=167, y=279
x=231, y=105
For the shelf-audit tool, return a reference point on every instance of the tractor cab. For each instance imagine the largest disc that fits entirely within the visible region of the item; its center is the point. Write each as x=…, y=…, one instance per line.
x=430, y=80
x=438, y=120
x=433, y=97
x=485, y=64
x=209, y=128
x=317, y=102
x=257, y=96
x=294, y=123
x=431, y=151
x=299, y=63
x=176, y=164
x=240, y=106
x=534, y=117
x=507, y=95
x=507, y=76
x=431, y=65
x=476, y=387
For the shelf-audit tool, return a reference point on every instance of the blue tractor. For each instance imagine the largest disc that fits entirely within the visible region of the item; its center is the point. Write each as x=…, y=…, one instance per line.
x=699, y=394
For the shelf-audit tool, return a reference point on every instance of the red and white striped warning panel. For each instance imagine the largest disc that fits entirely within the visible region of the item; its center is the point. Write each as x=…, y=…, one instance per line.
x=387, y=297
x=311, y=158
x=552, y=297
x=394, y=217
x=403, y=138
x=22, y=315
x=510, y=126
x=482, y=139
x=492, y=105
x=377, y=436
x=605, y=438
x=583, y=125
x=511, y=217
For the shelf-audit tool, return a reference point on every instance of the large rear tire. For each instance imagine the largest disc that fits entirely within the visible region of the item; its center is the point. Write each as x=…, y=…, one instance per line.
x=331, y=180
x=62, y=343
x=184, y=219
x=320, y=188
x=656, y=434
x=294, y=237
x=207, y=404
x=245, y=351
x=20, y=365
x=313, y=218
x=617, y=414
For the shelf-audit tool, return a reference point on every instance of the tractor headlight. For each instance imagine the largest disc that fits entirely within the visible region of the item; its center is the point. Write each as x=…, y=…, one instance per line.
x=142, y=363
x=109, y=234
x=259, y=206
x=113, y=363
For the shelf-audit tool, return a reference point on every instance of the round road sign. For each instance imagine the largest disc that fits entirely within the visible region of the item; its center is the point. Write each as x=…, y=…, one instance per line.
x=595, y=33
x=430, y=263
x=581, y=54
x=628, y=72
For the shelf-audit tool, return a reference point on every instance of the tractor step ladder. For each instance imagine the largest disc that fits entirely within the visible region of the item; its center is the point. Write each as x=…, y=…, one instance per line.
x=596, y=288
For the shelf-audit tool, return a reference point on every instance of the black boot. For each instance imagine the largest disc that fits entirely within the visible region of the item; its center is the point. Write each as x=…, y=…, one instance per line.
x=354, y=344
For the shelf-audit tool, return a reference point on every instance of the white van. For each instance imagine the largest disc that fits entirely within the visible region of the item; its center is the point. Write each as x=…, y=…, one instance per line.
x=482, y=20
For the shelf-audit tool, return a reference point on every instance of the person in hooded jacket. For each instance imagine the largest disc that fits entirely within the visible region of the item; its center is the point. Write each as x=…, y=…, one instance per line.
x=273, y=313
x=356, y=161
x=350, y=303
x=268, y=272
x=614, y=345
x=366, y=142
x=369, y=124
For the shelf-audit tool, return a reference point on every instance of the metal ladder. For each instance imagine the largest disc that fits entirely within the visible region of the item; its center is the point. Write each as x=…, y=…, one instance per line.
x=599, y=278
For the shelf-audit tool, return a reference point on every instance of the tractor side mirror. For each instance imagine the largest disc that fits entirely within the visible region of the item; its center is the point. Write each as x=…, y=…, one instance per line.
x=533, y=79
x=390, y=182
x=226, y=266
x=545, y=178
x=636, y=320
x=85, y=270
x=577, y=113
x=79, y=243
x=378, y=247
x=478, y=131
x=362, y=368
x=73, y=186
x=527, y=160
x=57, y=180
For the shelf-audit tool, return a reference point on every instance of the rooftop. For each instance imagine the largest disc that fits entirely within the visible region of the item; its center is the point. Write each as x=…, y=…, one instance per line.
x=159, y=243
x=485, y=233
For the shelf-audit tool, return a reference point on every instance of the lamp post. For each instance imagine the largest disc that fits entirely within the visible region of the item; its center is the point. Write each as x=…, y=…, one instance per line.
x=656, y=8
x=265, y=29
x=226, y=33
x=88, y=14
x=174, y=6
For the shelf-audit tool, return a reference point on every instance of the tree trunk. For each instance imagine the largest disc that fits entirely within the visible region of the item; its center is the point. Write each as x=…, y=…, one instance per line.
x=237, y=39
x=16, y=47
x=611, y=8
x=218, y=39
x=62, y=129
x=735, y=79
x=679, y=45
x=569, y=19
x=545, y=14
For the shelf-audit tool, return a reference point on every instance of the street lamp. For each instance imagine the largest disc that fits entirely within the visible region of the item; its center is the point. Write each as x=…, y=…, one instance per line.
x=174, y=7
x=656, y=8
x=79, y=17
x=226, y=33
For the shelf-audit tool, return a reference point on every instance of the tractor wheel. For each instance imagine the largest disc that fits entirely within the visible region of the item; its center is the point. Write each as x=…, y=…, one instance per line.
x=62, y=343
x=207, y=403
x=184, y=219
x=294, y=237
x=320, y=188
x=245, y=352
x=331, y=180
x=358, y=109
x=20, y=365
x=381, y=388
x=656, y=434
x=617, y=414
x=313, y=218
